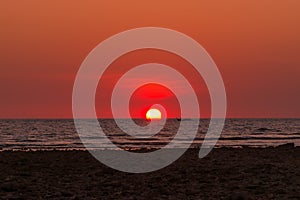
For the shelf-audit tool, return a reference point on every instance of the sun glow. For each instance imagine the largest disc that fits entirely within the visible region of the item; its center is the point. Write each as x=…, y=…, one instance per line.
x=153, y=114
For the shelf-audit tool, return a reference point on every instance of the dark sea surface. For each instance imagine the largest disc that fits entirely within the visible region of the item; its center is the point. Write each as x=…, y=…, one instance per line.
x=60, y=134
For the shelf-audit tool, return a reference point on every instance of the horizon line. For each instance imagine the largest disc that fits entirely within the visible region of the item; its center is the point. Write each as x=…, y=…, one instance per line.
x=50, y=118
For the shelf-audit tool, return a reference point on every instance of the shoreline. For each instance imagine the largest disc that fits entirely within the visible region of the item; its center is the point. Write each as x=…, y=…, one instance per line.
x=136, y=149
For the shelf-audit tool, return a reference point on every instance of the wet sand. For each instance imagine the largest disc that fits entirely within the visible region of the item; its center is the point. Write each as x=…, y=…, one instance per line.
x=271, y=173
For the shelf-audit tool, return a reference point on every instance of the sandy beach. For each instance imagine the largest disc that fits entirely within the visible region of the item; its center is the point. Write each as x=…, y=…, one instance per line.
x=248, y=173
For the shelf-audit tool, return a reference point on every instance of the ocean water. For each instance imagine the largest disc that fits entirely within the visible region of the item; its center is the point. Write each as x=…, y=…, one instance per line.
x=60, y=134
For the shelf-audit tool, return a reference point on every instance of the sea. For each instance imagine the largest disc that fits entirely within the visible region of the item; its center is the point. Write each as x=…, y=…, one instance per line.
x=61, y=134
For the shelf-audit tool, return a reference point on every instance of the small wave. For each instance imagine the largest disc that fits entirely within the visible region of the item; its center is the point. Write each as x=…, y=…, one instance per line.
x=267, y=130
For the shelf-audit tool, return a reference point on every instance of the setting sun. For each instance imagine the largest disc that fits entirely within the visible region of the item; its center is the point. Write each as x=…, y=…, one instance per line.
x=153, y=114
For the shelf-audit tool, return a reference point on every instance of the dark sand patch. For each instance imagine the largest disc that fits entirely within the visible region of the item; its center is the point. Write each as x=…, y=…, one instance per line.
x=271, y=173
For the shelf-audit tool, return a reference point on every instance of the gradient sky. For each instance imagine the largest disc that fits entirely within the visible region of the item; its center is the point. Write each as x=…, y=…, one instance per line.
x=255, y=44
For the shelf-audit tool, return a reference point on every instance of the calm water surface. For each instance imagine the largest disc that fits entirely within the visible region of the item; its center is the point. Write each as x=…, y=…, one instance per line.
x=61, y=134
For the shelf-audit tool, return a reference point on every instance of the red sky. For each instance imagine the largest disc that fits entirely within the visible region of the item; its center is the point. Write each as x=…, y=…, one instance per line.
x=255, y=44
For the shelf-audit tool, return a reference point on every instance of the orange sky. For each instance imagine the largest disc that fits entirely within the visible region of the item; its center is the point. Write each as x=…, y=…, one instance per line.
x=255, y=44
